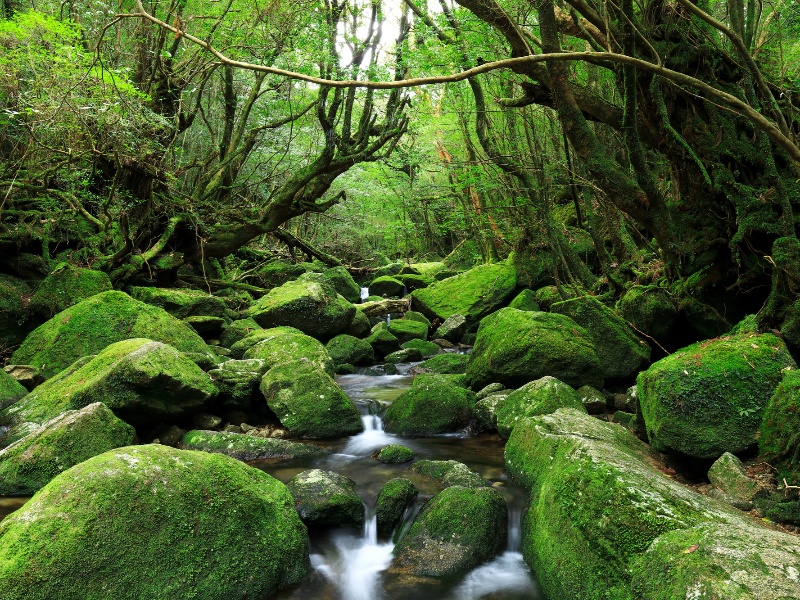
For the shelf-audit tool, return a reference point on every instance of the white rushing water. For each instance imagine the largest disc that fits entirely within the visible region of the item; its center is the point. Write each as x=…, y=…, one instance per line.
x=372, y=438
x=364, y=293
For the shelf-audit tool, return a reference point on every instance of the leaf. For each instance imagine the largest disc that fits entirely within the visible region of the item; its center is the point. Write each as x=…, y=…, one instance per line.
x=691, y=549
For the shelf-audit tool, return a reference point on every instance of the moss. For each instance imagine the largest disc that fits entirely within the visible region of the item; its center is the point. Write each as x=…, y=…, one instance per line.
x=402, y=356
x=289, y=347
x=426, y=349
x=453, y=329
x=433, y=405
x=548, y=295
x=208, y=327
x=65, y=286
x=246, y=447
x=10, y=390
x=71, y=438
x=389, y=270
x=393, y=499
x=360, y=326
x=485, y=410
x=445, y=363
x=180, y=303
x=308, y=402
x=278, y=272
x=514, y=347
x=779, y=431
x=14, y=323
x=178, y=516
x=387, y=287
x=540, y=397
x=449, y=472
x=394, y=454
x=239, y=348
x=343, y=283
x=412, y=315
x=414, y=282
x=534, y=269
x=348, y=349
x=710, y=397
x=92, y=324
x=383, y=342
x=650, y=310
x=749, y=324
x=728, y=474
x=525, y=300
x=326, y=498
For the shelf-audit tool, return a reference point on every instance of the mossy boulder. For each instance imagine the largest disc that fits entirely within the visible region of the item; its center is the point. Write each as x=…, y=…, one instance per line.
x=403, y=356
x=485, y=410
x=246, y=447
x=359, y=327
x=289, y=347
x=387, y=287
x=394, y=454
x=432, y=405
x=71, y=438
x=142, y=381
x=622, y=354
x=237, y=330
x=308, y=402
x=14, y=315
x=452, y=329
x=240, y=348
x=310, y=303
x=278, y=272
x=709, y=398
x=426, y=349
x=650, y=310
x=180, y=303
x=417, y=316
x=599, y=498
x=237, y=382
x=11, y=390
x=449, y=472
x=389, y=270
x=727, y=474
x=514, y=347
x=525, y=300
x=326, y=498
x=408, y=329
x=393, y=499
x=343, y=283
x=348, y=349
x=457, y=530
x=540, y=397
x=413, y=282
x=65, y=286
x=382, y=340
x=180, y=517
x=206, y=327
x=592, y=399
x=719, y=562
x=92, y=324
x=446, y=363
x=548, y=295
x=779, y=431
x=473, y=294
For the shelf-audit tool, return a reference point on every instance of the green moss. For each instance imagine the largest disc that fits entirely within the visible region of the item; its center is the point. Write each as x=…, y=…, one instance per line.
x=548, y=295
x=414, y=282
x=525, y=300
x=326, y=498
x=408, y=329
x=394, y=454
x=425, y=348
x=433, y=405
x=387, y=287
x=728, y=474
x=14, y=325
x=383, y=342
x=289, y=347
x=278, y=272
x=389, y=270
x=180, y=303
x=650, y=310
x=65, y=286
x=394, y=497
x=343, y=283
x=445, y=363
x=92, y=324
x=239, y=348
x=10, y=390
x=178, y=516
x=449, y=473
x=246, y=447
x=348, y=349
x=540, y=397
x=710, y=397
x=360, y=325
x=402, y=356
x=779, y=431
x=413, y=315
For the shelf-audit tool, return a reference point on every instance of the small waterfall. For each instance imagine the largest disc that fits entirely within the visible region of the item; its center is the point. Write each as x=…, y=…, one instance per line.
x=364, y=293
x=388, y=319
x=372, y=438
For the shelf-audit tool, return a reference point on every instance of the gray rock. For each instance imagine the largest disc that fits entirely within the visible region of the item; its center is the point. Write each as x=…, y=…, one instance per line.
x=728, y=475
x=206, y=421
x=485, y=410
x=27, y=375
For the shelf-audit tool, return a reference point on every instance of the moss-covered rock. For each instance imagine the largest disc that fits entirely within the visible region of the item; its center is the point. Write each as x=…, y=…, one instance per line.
x=11, y=390
x=178, y=516
x=413, y=315
x=180, y=303
x=453, y=329
x=326, y=498
x=71, y=438
x=389, y=270
x=748, y=324
x=779, y=432
x=540, y=397
x=142, y=381
x=408, y=329
x=383, y=342
x=27, y=375
x=402, y=356
x=719, y=562
x=343, y=283
x=206, y=327
x=246, y=447
x=457, y=530
x=728, y=475
x=237, y=382
x=393, y=499
x=310, y=303
x=14, y=315
x=414, y=282
x=432, y=405
x=387, y=287
x=709, y=398
x=485, y=410
x=289, y=347
x=308, y=402
x=622, y=354
x=473, y=294
x=359, y=327
x=548, y=295
x=592, y=399
x=237, y=330
x=445, y=363
x=240, y=348
x=92, y=324
x=449, y=472
x=525, y=300
x=65, y=286
x=598, y=500
x=426, y=349
x=394, y=454
x=650, y=310
x=348, y=349
x=514, y=347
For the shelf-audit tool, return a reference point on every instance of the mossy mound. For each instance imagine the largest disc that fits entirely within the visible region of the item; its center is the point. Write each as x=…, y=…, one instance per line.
x=360, y=326
x=142, y=381
x=457, y=530
x=383, y=342
x=473, y=294
x=413, y=315
x=389, y=270
x=348, y=349
x=485, y=410
x=710, y=397
x=246, y=447
x=92, y=324
x=65, y=286
x=326, y=498
x=540, y=397
x=719, y=562
x=402, y=356
x=413, y=282
x=598, y=500
x=450, y=363
x=236, y=331
x=394, y=497
x=180, y=303
x=432, y=405
x=11, y=390
x=514, y=347
x=525, y=300
x=622, y=354
x=71, y=438
x=387, y=287
x=394, y=454
x=343, y=283
x=14, y=322
x=779, y=432
x=449, y=473
x=237, y=381
x=650, y=310
x=290, y=347
x=207, y=327
x=426, y=349
x=308, y=402
x=278, y=272
x=176, y=516
x=238, y=349
x=548, y=295
x=310, y=303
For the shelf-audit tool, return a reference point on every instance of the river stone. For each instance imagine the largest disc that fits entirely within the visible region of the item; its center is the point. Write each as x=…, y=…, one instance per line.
x=289, y=347
x=457, y=530
x=598, y=500
x=650, y=310
x=403, y=356
x=359, y=327
x=383, y=342
x=432, y=405
x=247, y=447
x=452, y=329
x=393, y=499
x=446, y=363
x=11, y=390
x=540, y=397
x=240, y=348
x=180, y=303
x=485, y=409
x=308, y=402
x=350, y=350
x=237, y=330
x=71, y=438
x=386, y=287
x=728, y=474
x=408, y=329
x=514, y=347
x=779, y=432
x=207, y=327
x=426, y=349
x=622, y=354
x=142, y=381
x=719, y=562
x=237, y=381
x=65, y=286
x=449, y=473
x=394, y=454
x=310, y=303
x=92, y=324
x=198, y=525
x=593, y=400
x=709, y=398
x=343, y=283
x=490, y=389
x=326, y=498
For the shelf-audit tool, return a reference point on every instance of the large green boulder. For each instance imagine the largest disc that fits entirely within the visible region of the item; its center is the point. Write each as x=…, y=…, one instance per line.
x=289, y=347
x=460, y=528
x=540, y=397
x=247, y=447
x=11, y=390
x=154, y=522
x=65, y=286
x=514, y=347
x=310, y=303
x=448, y=363
x=622, y=354
x=779, y=431
x=241, y=346
x=308, y=402
x=382, y=340
x=71, y=438
x=351, y=350
x=359, y=326
x=237, y=382
x=408, y=329
x=142, y=381
x=433, y=405
x=343, y=283
x=236, y=331
x=92, y=324
x=598, y=499
x=180, y=303
x=393, y=499
x=14, y=315
x=387, y=287
x=426, y=349
x=709, y=398
x=525, y=300
x=473, y=294
x=650, y=310
x=326, y=498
